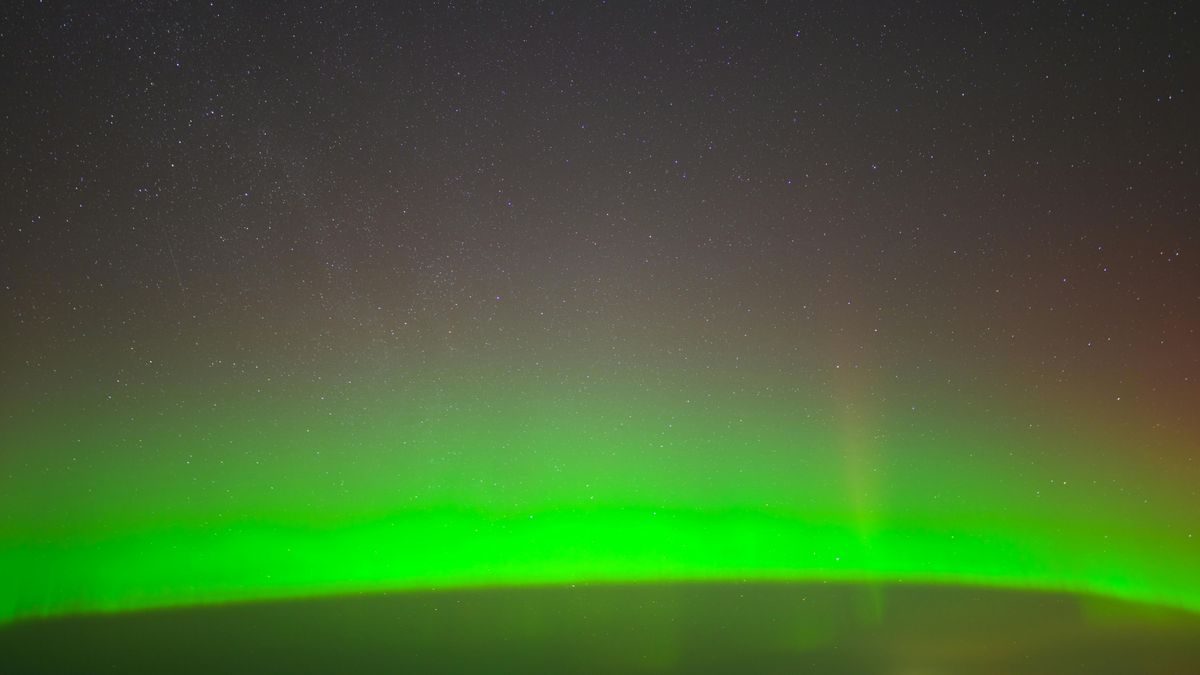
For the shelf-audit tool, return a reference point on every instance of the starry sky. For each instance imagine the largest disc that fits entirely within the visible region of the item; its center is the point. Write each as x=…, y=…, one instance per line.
x=307, y=298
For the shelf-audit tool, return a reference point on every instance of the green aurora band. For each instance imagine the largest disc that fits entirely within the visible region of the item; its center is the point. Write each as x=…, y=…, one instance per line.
x=478, y=479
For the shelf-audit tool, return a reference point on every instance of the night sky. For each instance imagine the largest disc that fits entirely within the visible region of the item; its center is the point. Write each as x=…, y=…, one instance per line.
x=300, y=299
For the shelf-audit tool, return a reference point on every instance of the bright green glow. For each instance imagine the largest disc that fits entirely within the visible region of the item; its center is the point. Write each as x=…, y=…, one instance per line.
x=560, y=484
x=446, y=549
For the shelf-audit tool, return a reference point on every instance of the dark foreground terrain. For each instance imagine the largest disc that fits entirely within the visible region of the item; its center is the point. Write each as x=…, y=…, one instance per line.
x=641, y=629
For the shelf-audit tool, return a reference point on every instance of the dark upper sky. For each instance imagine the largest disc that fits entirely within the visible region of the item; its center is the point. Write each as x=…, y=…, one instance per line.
x=1009, y=189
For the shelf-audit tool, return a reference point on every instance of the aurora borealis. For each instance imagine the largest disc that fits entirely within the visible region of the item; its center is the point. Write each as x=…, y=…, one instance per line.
x=303, y=300
x=726, y=488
